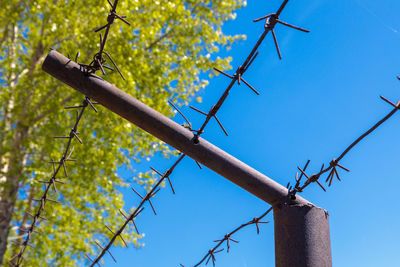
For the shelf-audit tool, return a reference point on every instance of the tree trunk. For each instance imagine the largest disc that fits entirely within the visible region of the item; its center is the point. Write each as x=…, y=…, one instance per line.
x=10, y=186
x=23, y=226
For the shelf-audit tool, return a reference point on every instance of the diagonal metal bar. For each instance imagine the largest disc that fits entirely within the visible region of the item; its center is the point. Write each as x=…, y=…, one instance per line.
x=165, y=129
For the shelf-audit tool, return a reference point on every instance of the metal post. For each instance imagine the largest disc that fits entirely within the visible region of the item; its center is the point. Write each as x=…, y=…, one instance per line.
x=202, y=151
x=301, y=236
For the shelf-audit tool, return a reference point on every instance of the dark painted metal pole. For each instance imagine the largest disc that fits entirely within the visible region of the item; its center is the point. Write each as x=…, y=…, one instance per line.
x=180, y=138
x=301, y=236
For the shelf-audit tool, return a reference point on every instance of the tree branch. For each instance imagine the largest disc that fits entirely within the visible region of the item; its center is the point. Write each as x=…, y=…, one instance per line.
x=5, y=35
x=21, y=228
x=168, y=31
x=45, y=113
x=72, y=37
x=159, y=39
x=47, y=96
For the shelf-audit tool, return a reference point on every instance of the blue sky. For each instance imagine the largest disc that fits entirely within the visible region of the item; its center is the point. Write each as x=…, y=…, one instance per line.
x=313, y=104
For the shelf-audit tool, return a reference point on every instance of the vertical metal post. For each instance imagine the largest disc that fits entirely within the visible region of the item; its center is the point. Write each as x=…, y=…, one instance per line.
x=301, y=236
x=301, y=229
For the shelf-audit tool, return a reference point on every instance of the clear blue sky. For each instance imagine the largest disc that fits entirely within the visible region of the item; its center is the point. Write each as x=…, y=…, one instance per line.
x=313, y=104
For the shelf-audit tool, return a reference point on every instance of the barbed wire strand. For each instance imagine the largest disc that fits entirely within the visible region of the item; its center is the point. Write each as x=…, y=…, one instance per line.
x=334, y=164
x=138, y=209
x=98, y=63
x=228, y=239
x=270, y=22
x=17, y=259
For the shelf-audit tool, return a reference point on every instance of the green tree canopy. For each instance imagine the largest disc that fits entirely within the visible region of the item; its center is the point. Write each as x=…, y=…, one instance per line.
x=162, y=54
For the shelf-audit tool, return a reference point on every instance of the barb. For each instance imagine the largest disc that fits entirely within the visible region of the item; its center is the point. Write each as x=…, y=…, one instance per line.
x=189, y=125
x=334, y=164
x=228, y=239
x=17, y=259
x=270, y=22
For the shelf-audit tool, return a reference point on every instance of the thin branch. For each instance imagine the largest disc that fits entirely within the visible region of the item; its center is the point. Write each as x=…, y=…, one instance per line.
x=159, y=39
x=47, y=112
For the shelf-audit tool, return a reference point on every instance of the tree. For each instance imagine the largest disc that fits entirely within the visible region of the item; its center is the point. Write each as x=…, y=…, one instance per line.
x=162, y=55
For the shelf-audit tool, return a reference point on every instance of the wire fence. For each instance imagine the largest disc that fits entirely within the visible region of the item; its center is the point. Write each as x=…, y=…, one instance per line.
x=98, y=63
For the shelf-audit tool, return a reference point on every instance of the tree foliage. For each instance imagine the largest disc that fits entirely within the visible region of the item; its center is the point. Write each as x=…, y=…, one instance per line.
x=162, y=55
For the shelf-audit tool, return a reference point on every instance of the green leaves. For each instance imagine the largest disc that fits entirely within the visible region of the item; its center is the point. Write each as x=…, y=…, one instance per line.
x=162, y=56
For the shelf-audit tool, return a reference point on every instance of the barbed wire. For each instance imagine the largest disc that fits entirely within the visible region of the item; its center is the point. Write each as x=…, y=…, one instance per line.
x=146, y=198
x=98, y=61
x=334, y=163
x=270, y=22
x=228, y=239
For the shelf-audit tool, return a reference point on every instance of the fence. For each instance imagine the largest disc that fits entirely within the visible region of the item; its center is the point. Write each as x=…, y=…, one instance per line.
x=289, y=208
